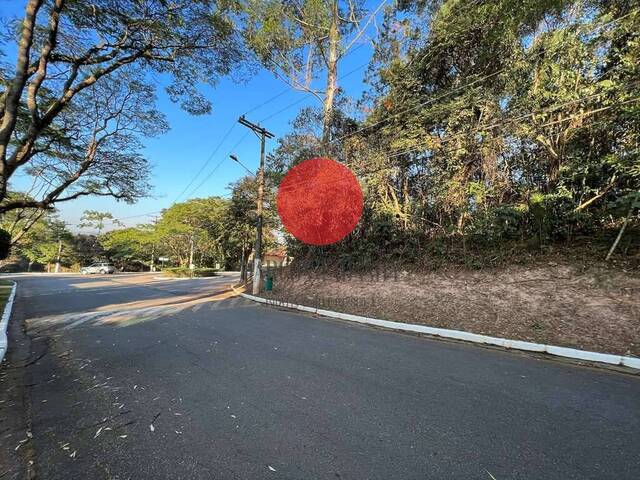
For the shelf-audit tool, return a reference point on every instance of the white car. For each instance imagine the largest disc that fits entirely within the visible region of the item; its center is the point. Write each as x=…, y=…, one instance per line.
x=100, y=267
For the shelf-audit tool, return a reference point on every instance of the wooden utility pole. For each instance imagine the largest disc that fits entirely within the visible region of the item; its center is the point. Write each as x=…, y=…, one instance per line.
x=262, y=134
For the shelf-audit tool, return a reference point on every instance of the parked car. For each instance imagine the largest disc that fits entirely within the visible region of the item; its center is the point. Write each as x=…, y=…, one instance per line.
x=100, y=267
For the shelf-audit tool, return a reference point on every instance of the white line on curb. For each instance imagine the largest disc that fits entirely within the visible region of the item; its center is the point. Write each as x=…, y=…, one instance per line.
x=4, y=322
x=631, y=362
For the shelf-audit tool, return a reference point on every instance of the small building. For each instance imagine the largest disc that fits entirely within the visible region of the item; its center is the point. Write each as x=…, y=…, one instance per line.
x=273, y=258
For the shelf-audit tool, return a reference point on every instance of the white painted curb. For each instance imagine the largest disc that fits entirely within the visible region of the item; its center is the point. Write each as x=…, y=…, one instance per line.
x=4, y=322
x=631, y=362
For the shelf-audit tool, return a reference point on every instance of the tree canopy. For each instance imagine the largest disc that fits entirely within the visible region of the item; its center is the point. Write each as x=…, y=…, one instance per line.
x=489, y=123
x=78, y=101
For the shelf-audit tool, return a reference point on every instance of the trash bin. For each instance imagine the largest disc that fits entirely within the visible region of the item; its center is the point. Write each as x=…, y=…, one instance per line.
x=268, y=283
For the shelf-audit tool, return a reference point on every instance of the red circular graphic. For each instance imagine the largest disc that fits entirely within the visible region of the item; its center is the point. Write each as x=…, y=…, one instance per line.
x=319, y=201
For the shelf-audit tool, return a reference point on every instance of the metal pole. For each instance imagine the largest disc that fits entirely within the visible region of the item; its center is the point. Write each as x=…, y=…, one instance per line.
x=243, y=263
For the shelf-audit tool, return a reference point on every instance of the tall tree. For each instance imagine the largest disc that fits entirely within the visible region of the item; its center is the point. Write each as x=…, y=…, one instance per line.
x=71, y=55
x=297, y=39
x=194, y=226
x=95, y=219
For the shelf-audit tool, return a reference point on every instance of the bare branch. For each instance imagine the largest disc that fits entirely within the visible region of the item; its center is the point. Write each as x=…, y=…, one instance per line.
x=362, y=29
x=45, y=53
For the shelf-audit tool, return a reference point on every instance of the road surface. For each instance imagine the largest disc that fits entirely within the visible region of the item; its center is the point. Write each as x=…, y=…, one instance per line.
x=131, y=377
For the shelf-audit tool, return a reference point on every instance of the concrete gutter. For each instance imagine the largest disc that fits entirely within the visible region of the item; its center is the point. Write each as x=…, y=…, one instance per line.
x=4, y=322
x=631, y=362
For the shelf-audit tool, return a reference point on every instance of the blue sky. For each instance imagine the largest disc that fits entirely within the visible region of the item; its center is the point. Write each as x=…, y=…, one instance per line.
x=178, y=155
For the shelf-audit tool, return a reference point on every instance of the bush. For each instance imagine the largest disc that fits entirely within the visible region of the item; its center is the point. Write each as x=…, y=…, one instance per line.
x=184, y=272
x=504, y=222
x=5, y=244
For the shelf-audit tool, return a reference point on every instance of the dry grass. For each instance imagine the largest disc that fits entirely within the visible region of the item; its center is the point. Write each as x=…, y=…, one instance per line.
x=5, y=291
x=590, y=308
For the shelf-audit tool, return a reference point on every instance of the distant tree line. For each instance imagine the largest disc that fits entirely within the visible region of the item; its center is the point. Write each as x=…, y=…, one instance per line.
x=213, y=232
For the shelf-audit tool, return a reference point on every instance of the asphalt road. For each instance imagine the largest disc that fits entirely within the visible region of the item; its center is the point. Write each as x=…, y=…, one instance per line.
x=128, y=377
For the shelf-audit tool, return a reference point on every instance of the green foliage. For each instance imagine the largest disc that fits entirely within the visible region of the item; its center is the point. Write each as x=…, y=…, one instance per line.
x=95, y=219
x=504, y=125
x=199, y=221
x=89, y=98
x=182, y=272
x=129, y=247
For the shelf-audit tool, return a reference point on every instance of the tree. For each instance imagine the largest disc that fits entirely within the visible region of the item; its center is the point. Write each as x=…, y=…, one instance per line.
x=490, y=124
x=18, y=222
x=46, y=241
x=79, y=93
x=95, y=219
x=194, y=227
x=240, y=224
x=5, y=244
x=296, y=39
x=129, y=247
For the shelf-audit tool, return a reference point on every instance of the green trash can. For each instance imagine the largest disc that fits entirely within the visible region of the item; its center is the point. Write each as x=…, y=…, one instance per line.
x=268, y=283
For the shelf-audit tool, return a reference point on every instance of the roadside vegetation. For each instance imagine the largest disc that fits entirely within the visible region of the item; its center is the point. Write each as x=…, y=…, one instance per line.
x=5, y=291
x=505, y=130
x=488, y=135
x=214, y=233
x=184, y=272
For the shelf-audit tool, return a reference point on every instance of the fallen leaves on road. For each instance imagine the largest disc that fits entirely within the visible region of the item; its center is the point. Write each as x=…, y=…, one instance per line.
x=20, y=443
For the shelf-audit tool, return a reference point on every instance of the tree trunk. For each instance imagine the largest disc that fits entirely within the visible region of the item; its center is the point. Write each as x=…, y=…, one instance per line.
x=332, y=73
x=624, y=226
x=13, y=93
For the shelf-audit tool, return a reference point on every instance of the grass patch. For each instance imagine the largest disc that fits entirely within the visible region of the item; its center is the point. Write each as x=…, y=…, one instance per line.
x=183, y=272
x=5, y=291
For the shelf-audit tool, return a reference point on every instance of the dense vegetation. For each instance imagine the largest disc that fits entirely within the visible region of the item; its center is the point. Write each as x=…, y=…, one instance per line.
x=488, y=131
x=210, y=232
x=490, y=128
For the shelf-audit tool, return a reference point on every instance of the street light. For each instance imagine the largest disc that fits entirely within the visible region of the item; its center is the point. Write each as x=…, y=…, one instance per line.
x=235, y=159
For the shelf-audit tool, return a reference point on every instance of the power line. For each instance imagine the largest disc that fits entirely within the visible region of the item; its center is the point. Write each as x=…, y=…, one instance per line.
x=527, y=115
x=257, y=107
x=275, y=97
x=496, y=125
x=204, y=165
x=463, y=87
x=293, y=104
x=280, y=94
x=218, y=164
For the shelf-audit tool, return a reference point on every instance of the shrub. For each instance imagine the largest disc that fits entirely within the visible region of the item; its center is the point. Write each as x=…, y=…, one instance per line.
x=5, y=244
x=183, y=272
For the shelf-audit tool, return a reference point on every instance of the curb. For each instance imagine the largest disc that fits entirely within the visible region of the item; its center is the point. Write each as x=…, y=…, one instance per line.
x=631, y=362
x=4, y=322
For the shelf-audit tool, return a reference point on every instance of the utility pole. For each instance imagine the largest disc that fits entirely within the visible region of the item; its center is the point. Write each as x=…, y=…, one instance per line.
x=59, y=254
x=191, y=265
x=257, y=257
x=152, y=267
